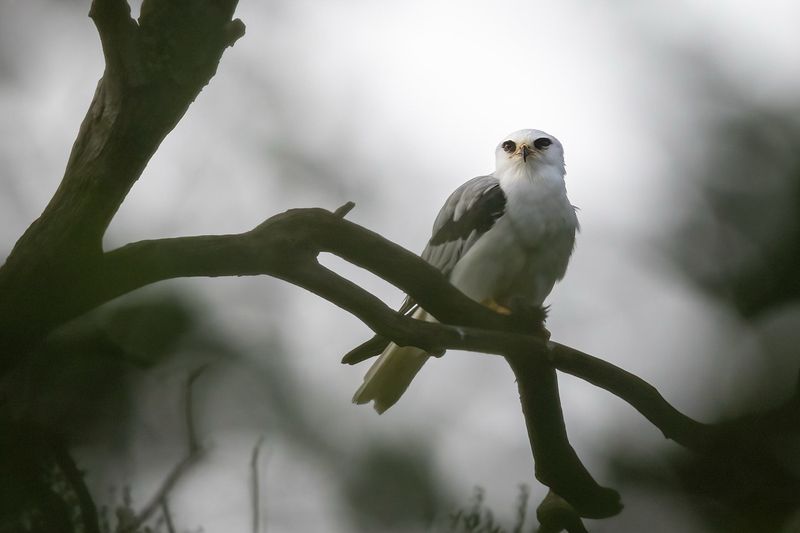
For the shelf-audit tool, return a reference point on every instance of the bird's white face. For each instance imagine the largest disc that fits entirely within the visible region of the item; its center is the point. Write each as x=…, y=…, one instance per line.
x=533, y=149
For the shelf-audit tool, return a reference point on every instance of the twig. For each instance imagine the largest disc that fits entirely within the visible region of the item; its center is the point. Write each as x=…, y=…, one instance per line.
x=366, y=350
x=193, y=453
x=342, y=211
x=191, y=432
x=255, y=485
x=167, y=515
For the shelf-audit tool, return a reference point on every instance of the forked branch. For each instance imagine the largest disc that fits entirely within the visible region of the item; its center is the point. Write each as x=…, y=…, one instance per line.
x=286, y=246
x=155, y=68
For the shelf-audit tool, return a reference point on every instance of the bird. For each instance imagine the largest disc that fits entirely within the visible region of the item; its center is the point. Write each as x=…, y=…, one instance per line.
x=502, y=239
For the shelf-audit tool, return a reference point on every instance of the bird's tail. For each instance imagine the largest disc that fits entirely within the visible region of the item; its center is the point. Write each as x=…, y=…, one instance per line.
x=391, y=374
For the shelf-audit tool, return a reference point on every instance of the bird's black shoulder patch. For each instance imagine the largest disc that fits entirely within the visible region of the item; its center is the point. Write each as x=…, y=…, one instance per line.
x=480, y=217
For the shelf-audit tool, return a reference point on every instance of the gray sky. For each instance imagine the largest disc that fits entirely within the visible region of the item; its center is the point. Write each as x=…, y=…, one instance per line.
x=393, y=105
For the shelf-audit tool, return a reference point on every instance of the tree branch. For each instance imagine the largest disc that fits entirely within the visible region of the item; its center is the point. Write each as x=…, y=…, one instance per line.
x=557, y=464
x=638, y=393
x=747, y=431
x=289, y=241
x=119, y=36
x=285, y=246
x=154, y=70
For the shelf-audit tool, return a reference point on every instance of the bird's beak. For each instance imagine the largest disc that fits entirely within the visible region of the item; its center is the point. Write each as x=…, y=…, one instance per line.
x=525, y=153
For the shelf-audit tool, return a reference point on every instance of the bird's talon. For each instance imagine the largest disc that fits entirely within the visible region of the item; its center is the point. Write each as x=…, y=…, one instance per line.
x=496, y=307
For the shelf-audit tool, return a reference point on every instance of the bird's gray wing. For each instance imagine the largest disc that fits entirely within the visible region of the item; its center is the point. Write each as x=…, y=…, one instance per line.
x=467, y=214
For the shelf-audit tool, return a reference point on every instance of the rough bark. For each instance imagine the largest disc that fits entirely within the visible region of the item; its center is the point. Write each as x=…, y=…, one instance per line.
x=155, y=68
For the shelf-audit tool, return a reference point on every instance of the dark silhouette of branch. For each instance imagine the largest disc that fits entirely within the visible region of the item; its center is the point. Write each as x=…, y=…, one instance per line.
x=747, y=432
x=119, y=34
x=155, y=68
x=557, y=464
x=638, y=393
x=285, y=246
x=278, y=247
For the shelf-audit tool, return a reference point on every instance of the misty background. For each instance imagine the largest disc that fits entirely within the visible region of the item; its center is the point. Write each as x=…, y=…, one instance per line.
x=681, y=128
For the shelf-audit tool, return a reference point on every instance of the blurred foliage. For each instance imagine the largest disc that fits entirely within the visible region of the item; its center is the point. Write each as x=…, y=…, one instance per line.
x=393, y=488
x=35, y=495
x=57, y=397
x=740, y=245
x=83, y=376
x=478, y=518
x=124, y=516
x=79, y=373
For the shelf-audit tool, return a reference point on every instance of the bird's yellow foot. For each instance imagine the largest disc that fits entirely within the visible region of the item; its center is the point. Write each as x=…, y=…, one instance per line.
x=496, y=307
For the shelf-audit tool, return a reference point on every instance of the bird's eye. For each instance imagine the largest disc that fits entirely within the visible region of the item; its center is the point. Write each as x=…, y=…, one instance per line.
x=542, y=142
x=510, y=147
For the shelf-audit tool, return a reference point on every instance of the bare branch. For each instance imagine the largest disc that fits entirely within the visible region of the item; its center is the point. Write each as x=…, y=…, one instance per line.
x=638, y=393
x=281, y=245
x=154, y=70
x=748, y=431
x=285, y=247
x=145, y=262
x=342, y=211
x=366, y=350
x=57, y=270
x=119, y=36
x=557, y=464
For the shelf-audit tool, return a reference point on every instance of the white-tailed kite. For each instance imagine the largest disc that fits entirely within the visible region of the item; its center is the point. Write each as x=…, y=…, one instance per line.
x=499, y=237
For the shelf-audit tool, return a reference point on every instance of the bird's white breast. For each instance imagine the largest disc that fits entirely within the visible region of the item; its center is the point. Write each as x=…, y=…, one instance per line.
x=528, y=249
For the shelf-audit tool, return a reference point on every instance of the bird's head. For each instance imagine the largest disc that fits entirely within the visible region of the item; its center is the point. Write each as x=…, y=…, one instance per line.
x=533, y=149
